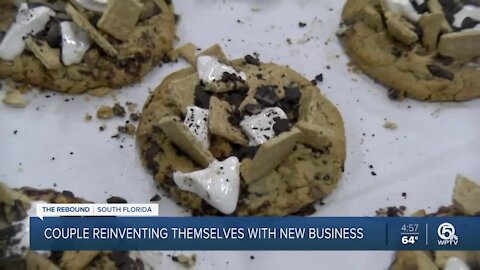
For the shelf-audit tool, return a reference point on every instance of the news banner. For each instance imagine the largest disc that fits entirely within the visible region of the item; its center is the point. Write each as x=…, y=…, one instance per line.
x=138, y=227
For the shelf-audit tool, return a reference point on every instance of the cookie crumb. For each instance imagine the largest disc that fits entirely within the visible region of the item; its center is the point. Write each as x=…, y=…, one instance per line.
x=127, y=129
x=131, y=106
x=186, y=261
x=391, y=211
x=118, y=110
x=301, y=24
x=105, y=112
x=319, y=77
x=100, y=92
x=252, y=257
x=390, y=125
x=134, y=117
x=87, y=117
x=15, y=99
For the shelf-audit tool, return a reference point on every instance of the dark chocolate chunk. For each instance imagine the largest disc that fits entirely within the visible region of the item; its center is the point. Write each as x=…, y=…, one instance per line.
x=444, y=60
x=266, y=95
x=2, y=35
x=422, y=8
x=253, y=109
x=285, y=105
x=118, y=110
x=235, y=118
x=319, y=77
x=230, y=77
x=235, y=98
x=156, y=198
x=440, y=72
x=123, y=261
x=68, y=194
x=244, y=152
x=301, y=24
x=281, y=125
x=202, y=98
x=115, y=199
x=314, y=82
x=469, y=23
x=292, y=94
x=396, y=52
x=252, y=60
x=150, y=155
x=134, y=117
x=394, y=94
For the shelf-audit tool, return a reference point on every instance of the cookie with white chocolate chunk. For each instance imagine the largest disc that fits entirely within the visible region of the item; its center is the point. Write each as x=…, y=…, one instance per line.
x=276, y=144
x=75, y=46
x=16, y=207
x=427, y=50
x=466, y=202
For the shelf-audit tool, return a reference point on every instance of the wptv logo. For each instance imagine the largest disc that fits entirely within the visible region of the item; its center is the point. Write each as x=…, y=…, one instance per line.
x=446, y=233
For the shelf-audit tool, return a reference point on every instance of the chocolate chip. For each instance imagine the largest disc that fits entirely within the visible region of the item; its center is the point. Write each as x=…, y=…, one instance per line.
x=115, y=199
x=2, y=35
x=123, y=261
x=155, y=198
x=394, y=94
x=150, y=155
x=235, y=118
x=305, y=211
x=281, y=125
x=235, y=98
x=440, y=72
x=252, y=109
x=68, y=194
x=94, y=19
x=292, y=94
x=230, y=77
x=422, y=8
x=444, y=60
x=396, y=52
x=118, y=110
x=469, y=23
x=302, y=24
x=266, y=95
x=244, y=152
x=252, y=60
x=319, y=77
x=202, y=98
x=134, y=117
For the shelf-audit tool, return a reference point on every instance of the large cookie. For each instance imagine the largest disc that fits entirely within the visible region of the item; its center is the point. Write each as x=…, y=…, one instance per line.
x=15, y=204
x=283, y=170
x=466, y=202
x=423, y=49
x=81, y=45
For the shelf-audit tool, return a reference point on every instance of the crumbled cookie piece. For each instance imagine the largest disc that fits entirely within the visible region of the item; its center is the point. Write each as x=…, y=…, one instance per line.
x=180, y=91
x=87, y=117
x=435, y=7
x=120, y=17
x=34, y=260
x=269, y=155
x=118, y=110
x=134, y=117
x=188, y=52
x=48, y=56
x=460, y=45
x=186, y=261
x=215, y=51
x=127, y=129
x=373, y=18
x=400, y=28
x=14, y=98
x=313, y=135
x=105, y=112
x=131, y=106
x=466, y=196
x=181, y=136
x=219, y=125
x=413, y=260
x=390, y=125
x=77, y=259
x=431, y=24
x=92, y=32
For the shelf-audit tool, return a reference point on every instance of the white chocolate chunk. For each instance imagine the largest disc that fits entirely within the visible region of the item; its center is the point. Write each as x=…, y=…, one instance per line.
x=197, y=122
x=75, y=43
x=218, y=185
x=467, y=11
x=27, y=22
x=93, y=5
x=403, y=8
x=259, y=127
x=455, y=263
x=211, y=70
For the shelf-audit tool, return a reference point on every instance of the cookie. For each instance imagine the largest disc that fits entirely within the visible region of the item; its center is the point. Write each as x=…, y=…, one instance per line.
x=427, y=50
x=466, y=202
x=16, y=205
x=78, y=46
x=277, y=144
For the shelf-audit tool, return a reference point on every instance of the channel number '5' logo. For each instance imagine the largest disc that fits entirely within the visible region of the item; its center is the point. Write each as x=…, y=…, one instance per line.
x=446, y=233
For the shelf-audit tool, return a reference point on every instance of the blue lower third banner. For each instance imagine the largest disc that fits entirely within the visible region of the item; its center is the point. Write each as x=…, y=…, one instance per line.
x=232, y=233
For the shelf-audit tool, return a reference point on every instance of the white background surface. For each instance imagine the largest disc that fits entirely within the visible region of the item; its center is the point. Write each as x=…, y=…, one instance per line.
x=433, y=142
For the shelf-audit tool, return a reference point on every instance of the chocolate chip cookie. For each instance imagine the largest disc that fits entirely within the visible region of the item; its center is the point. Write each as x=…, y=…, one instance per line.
x=242, y=138
x=466, y=202
x=16, y=205
x=423, y=49
x=81, y=45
